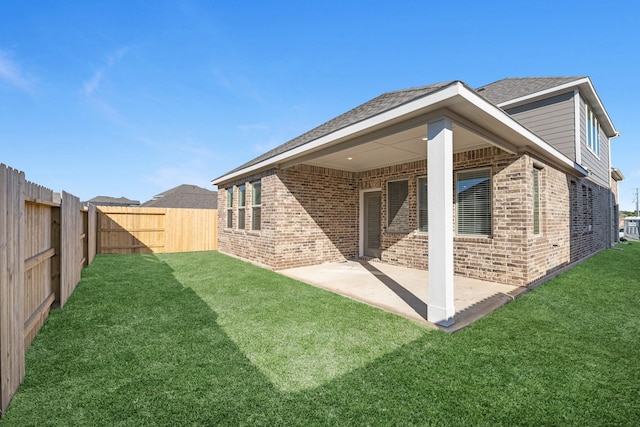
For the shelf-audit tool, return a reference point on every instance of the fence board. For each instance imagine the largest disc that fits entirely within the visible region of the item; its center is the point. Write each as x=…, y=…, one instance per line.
x=71, y=225
x=37, y=234
x=91, y=231
x=156, y=230
x=11, y=283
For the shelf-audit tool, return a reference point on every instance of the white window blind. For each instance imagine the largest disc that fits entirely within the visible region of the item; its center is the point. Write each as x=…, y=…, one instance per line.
x=423, y=205
x=398, y=206
x=473, y=202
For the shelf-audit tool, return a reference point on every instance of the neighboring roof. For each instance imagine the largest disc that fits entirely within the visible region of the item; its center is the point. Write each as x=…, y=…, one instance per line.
x=185, y=196
x=380, y=104
x=113, y=201
x=513, y=88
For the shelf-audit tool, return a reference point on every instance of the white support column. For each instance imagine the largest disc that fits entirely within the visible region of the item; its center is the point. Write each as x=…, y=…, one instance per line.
x=440, y=308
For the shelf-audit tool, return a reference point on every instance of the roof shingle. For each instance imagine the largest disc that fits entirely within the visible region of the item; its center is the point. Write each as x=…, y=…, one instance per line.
x=185, y=196
x=512, y=88
x=378, y=105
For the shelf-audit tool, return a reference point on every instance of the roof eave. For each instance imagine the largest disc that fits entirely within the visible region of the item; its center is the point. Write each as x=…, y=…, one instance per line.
x=424, y=103
x=617, y=174
x=456, y=91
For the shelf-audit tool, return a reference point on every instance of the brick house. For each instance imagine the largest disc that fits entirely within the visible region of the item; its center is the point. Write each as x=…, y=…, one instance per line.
x=507, y=183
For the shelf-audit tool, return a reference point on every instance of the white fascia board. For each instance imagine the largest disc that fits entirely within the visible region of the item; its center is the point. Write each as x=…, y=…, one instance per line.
x=584, y=83
x=545, y=92
x=510, y=122
x=424, y=102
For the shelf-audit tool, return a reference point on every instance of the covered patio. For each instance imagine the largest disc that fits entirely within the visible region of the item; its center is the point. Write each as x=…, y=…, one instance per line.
x=405, y=291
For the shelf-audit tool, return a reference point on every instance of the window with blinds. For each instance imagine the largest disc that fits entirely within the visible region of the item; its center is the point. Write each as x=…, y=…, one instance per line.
x=473, y=202
x=398, y=206
x=423, y=205
x=536, y=201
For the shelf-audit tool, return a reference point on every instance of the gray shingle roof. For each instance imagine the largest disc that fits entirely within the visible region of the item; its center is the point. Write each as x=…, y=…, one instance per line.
x=496, y=93
x=112, y=201
x=512, y=88
x=185, y=196
x=378, y=105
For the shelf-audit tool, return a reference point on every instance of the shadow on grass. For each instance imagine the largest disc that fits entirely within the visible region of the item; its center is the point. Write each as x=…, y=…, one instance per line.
x=145, y=349
x=133, y=349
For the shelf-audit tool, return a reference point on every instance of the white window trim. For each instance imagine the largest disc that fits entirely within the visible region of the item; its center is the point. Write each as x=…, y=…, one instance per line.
x=455, y=193
x=589, y=111
x=242, y=208
x=253, y=206
x=418, y=231
x=539, y=233
x=230, y=208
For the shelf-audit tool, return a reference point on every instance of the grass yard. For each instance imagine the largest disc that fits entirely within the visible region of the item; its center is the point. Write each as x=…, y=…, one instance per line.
x=204, y=339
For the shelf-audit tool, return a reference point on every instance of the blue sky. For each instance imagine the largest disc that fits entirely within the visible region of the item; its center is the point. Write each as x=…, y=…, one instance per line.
x=131, y=98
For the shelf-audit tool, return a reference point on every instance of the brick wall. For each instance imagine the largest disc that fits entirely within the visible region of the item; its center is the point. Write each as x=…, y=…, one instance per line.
x=311, y=215
x=409, y=248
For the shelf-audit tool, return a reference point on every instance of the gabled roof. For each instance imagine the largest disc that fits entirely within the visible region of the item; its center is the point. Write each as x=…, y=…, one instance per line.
x=380, y=104
x=513, y=88
x=485, y=103
x=185, y=196
x=511, y=92
x=113, y=201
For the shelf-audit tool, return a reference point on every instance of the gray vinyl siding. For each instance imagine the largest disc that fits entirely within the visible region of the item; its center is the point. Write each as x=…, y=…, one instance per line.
x=552, y=119
x=598, y=165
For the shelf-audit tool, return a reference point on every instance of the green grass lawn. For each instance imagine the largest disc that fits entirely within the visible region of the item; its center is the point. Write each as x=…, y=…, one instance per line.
x=204, y=339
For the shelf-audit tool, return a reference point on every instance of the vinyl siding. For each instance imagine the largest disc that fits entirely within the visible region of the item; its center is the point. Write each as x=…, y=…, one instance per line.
x=598, y=165
x=552, y=119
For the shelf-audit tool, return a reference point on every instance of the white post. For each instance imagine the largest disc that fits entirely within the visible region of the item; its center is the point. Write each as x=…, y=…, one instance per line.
x=440, y=308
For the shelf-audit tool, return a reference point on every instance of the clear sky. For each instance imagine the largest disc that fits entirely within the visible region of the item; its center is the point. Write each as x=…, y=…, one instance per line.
x=131, y=98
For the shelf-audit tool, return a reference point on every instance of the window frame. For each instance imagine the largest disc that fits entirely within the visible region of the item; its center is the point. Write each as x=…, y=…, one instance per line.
x=592, y=131
x=418, y=200
x=391, y=229
x=242, y=202
x=537, y=212
x=256, y=207
x=490, y=203
x=230, y=207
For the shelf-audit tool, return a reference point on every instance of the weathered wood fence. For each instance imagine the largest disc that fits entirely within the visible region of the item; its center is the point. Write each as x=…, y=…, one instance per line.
x=124, y=230
x=45, y=241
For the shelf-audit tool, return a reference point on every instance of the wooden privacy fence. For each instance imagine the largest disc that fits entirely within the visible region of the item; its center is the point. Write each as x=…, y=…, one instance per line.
x=45, y=241
x=123, y=230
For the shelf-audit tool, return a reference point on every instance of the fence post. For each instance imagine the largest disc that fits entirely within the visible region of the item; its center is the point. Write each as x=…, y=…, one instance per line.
x=55, y=260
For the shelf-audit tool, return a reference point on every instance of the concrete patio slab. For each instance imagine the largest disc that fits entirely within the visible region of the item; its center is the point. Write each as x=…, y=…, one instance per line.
x=404, y=291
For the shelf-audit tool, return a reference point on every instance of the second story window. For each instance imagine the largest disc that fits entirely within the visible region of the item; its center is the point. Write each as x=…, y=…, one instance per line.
x=593, y=132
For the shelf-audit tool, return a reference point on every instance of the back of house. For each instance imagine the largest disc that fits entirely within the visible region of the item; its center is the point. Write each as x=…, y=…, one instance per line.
x=512, y=181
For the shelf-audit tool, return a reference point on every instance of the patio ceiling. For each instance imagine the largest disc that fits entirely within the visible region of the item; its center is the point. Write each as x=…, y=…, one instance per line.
x=402, y=147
